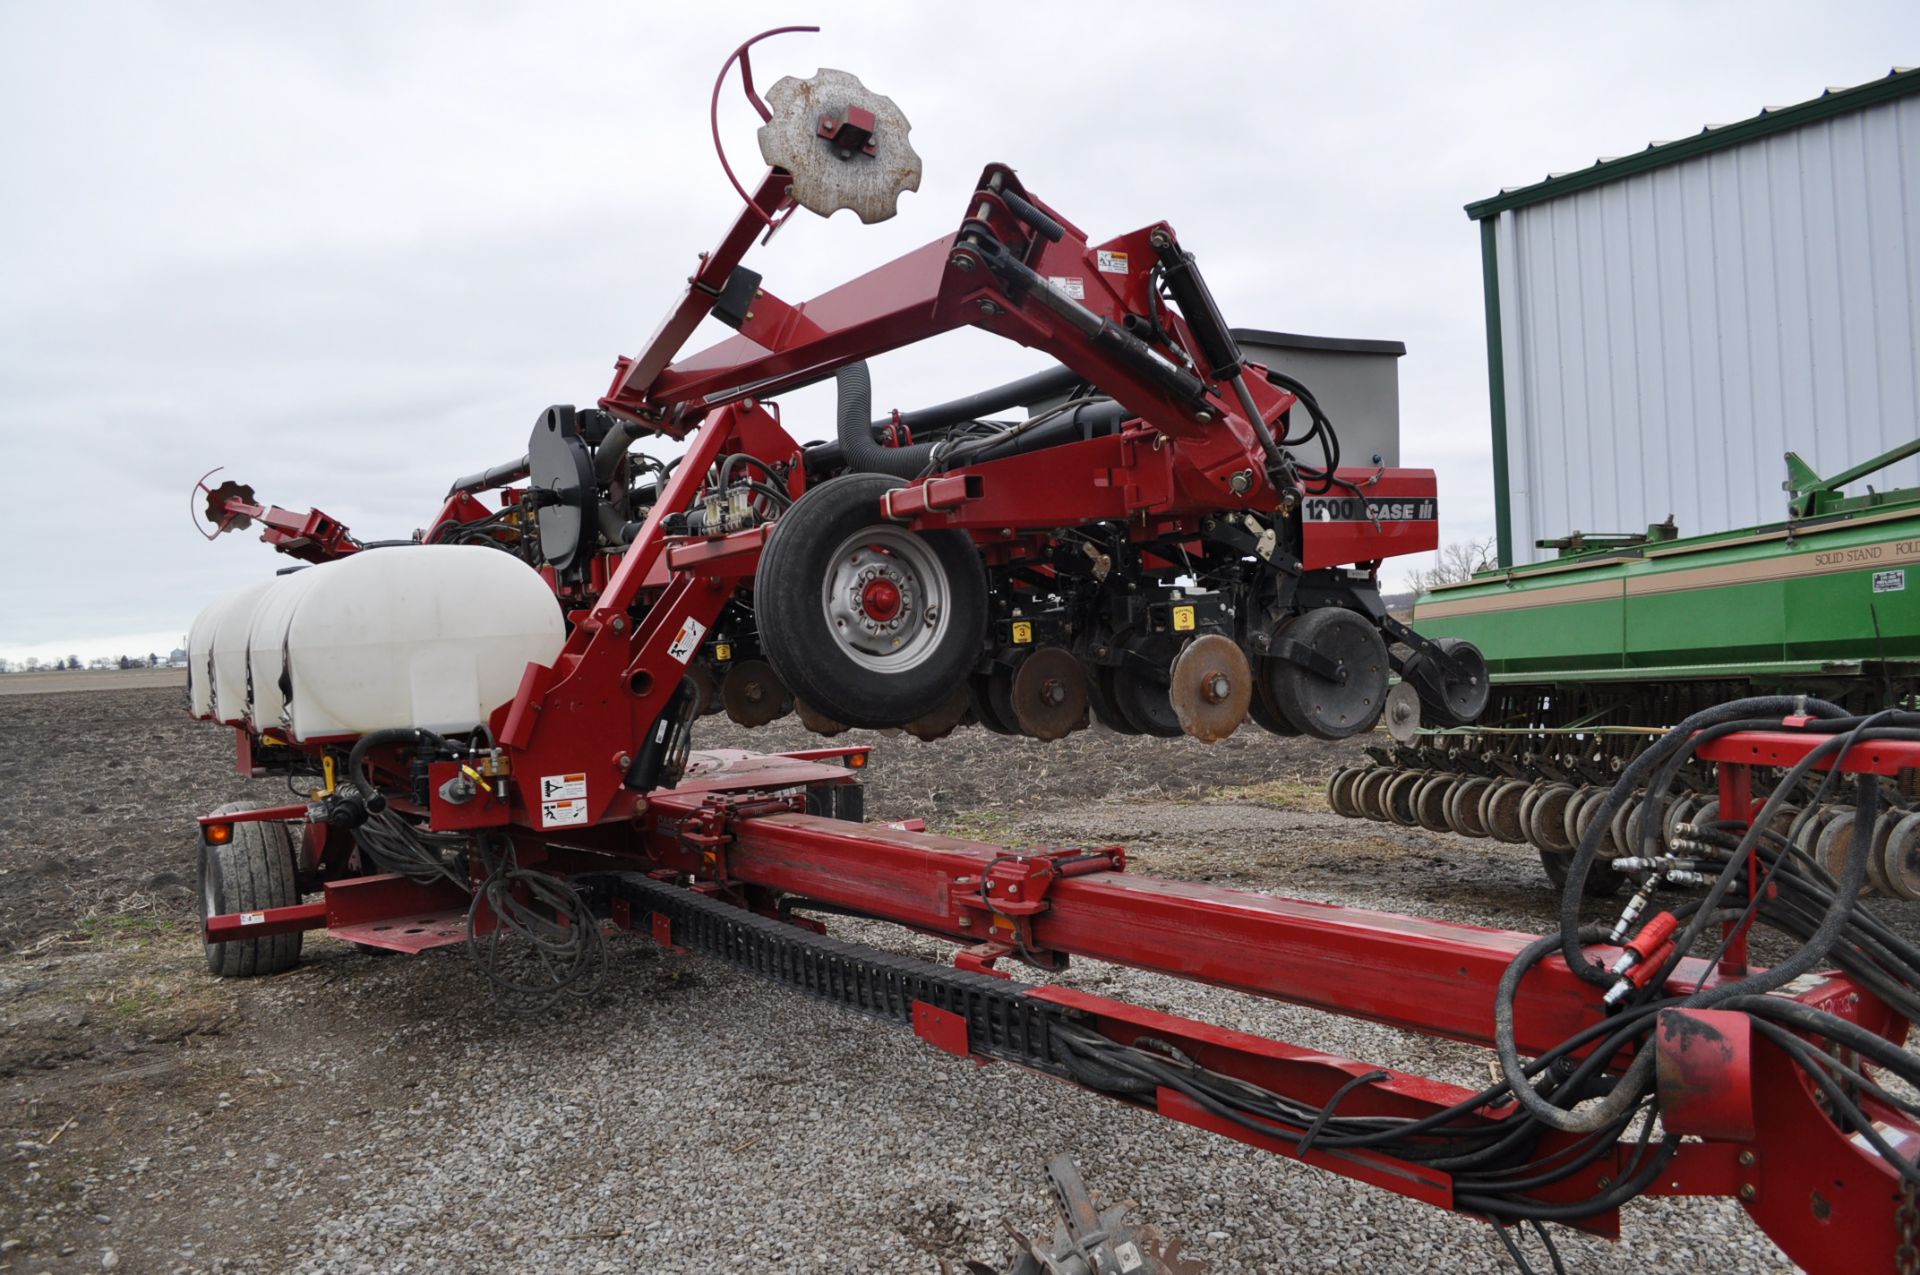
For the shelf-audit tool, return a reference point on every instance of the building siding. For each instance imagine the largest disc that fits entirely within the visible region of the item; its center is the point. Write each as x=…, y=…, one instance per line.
x=1669, y=336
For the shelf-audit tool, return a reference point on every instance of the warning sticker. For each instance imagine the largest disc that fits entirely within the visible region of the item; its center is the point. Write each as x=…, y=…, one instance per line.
x=1022, y=632
x=687, y=640
x=556, y=787
x=1110, y=262
x=252, y=918
x=1183, y=619
x=558, y=814
x=1129, y=1254
x=1072, y=285
x=1889, y=581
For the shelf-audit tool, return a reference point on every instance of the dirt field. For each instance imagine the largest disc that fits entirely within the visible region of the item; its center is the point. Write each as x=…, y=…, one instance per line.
x=90, y=680
x=363, y=1114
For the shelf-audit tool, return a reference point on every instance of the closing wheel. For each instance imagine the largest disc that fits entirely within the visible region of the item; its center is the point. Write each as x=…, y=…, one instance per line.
x=753, y=694
x=1500, y=811
x=1463, y=806
x=1900, y=858
x=943, y=720
x=1456, y=691
x=1546, y=818
x=252, y=871
x=868, y=622
x=1210, y=687
x=1340, y=790
x=1397, y=798
x=1370, y=793
x=1048, y=694
x=1877, y=882
x=1321, y=706
x=1836, y=844
x=1430, y=802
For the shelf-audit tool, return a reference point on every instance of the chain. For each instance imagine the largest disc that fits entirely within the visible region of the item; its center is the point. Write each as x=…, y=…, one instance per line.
x=1906, y=1258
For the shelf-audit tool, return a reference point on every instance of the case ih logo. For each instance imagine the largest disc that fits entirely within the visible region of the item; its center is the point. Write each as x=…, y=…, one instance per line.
x=1354, y=509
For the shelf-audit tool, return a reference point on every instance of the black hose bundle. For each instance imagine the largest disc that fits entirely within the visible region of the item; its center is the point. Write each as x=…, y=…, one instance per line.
x=1577, y=1087
x=528, y=932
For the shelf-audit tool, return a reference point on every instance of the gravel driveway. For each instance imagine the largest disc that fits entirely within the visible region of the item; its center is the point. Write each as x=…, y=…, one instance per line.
x=383, y=1115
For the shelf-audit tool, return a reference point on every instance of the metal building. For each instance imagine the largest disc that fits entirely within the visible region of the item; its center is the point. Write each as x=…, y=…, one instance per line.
x=1663, y=327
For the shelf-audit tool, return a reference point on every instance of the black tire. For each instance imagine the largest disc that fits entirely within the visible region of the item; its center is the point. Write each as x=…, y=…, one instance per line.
x=1453, y=700
x=1325, y=709
x=1602, y=882
x=251, y=872
x=800, y=640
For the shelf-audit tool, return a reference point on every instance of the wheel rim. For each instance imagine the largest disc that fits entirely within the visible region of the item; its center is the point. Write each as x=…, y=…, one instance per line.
x=886, y=599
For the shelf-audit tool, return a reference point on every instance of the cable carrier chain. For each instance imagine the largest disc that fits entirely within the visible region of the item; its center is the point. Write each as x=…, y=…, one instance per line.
x=1165, y=540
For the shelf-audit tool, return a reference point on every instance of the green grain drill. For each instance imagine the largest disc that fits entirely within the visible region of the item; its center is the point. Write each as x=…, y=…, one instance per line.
x=1595, y=653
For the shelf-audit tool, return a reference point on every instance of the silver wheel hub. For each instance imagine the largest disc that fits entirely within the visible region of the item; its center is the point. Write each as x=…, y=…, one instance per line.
x=885, y=599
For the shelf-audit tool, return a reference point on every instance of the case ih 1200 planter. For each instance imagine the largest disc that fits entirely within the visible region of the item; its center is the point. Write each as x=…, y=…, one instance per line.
x=495, y=722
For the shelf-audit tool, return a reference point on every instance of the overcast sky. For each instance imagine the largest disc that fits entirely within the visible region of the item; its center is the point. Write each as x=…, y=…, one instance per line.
x=350, y=251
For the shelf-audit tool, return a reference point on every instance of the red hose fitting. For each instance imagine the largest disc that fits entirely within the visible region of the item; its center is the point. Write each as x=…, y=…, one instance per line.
x=1642, y=957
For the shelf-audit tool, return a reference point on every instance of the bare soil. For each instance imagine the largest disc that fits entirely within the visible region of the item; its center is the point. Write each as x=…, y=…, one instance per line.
x=374, y=1114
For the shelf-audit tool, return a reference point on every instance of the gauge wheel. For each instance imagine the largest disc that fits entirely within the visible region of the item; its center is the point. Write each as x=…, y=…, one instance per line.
x=870, y=623
x=1324, y=707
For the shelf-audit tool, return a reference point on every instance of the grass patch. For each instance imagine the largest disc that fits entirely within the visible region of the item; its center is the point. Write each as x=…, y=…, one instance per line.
x=977, y=825
x=124, y=925
x=1284, y=794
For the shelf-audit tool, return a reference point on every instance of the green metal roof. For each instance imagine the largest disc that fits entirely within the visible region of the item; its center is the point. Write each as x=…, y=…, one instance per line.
x=1897, y=83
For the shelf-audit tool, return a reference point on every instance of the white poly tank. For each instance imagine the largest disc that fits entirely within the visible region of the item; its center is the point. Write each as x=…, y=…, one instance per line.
x=266, y=649
x=199, y=660
x=428, y=636
x=217, y=655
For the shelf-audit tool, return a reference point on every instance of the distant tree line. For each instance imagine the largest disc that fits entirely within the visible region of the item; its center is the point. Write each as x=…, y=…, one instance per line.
x=34, y=664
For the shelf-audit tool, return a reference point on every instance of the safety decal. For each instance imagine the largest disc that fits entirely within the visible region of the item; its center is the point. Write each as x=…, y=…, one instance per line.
x=252, y=918
x=558, y=814
x=1073, y=285
x=560, y=787
x=1889, y=581
x=687, y=640
x=1110, y=262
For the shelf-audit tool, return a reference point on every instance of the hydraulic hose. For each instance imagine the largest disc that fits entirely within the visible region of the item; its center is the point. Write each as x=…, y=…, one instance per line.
x=1761, y=707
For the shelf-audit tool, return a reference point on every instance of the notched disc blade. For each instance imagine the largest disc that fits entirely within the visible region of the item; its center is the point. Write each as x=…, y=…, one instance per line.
x=1211, y=687
x=825, y=181
x=1049, y=694
x=942, y=721
x=217, y=506
x=753, y=694
x=814, y=720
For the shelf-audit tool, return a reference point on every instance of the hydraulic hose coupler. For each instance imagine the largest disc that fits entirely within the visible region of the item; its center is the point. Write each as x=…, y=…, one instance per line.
x=1641, y=958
